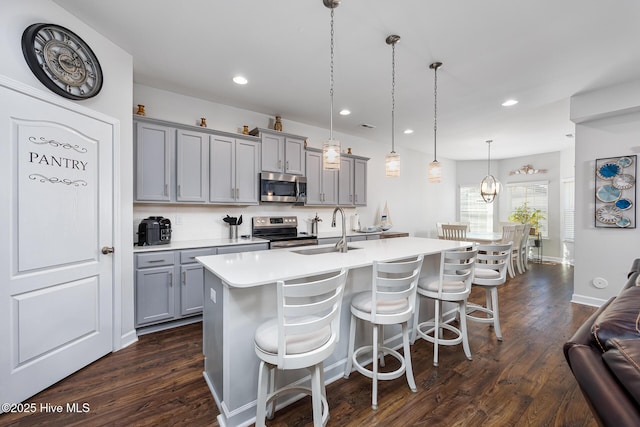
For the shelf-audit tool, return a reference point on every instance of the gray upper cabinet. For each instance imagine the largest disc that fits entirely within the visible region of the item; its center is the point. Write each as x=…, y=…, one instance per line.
x=352, y=190
x=234, y=168
x=177, y=163
x=322, y=186
x=192, y=168
x=154, y=150
x=345, y=182
x=281, y=153
x=360, y=182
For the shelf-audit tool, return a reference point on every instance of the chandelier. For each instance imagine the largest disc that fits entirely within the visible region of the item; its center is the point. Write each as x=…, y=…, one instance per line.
x=489, y=187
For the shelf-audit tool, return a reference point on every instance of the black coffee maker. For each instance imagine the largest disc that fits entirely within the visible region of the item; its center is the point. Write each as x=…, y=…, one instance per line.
x=155, y=230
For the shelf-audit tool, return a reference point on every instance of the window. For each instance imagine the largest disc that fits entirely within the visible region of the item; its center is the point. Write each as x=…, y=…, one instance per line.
x=535, y=194
x=474, y=210
x=568, y=209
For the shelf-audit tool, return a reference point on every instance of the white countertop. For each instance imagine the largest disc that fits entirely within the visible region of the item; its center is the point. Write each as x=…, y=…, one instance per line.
x=204, y=243
x=249, y=269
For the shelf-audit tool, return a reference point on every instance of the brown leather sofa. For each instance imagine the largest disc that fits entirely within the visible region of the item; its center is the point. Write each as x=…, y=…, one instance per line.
x=604, y=356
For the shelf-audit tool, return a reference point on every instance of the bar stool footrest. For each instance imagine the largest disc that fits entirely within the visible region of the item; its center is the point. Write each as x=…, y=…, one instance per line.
x=441, y=341
x=475, y=307
x=381, y=375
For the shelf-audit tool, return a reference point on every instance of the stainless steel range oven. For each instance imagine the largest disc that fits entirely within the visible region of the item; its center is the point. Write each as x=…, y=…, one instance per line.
x=281, y=231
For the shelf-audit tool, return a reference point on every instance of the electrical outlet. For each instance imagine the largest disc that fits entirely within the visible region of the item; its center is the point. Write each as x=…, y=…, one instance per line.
x=178, y=219
x=213, y=295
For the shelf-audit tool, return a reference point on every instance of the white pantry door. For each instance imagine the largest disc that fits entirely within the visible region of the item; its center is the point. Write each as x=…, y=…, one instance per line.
x=56, y=285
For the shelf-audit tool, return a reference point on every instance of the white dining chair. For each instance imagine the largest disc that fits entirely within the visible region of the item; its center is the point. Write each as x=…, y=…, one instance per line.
x=452, y=285
x=509, y=235
x=454, y=231
x=303, y=335
x=524, y=248
x=390, y=301
x=490, y=272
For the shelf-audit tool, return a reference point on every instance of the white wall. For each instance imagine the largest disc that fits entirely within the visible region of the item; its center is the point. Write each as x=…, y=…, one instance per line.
x=114, y=100
x=411, y=200
x=607, y=125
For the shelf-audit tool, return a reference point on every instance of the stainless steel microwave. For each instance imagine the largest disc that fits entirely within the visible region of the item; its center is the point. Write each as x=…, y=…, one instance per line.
x=283, y=188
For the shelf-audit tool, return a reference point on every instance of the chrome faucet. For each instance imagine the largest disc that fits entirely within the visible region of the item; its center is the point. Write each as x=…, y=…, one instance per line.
x=342, y=243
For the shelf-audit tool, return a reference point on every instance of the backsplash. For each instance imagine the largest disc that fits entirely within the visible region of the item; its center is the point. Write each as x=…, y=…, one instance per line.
x=193, y=222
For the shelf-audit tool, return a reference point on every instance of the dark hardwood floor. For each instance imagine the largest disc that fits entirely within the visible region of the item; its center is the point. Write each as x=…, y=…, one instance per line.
x=523, y=380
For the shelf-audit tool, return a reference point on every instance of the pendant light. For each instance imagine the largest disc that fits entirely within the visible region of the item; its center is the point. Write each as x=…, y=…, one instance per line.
x=331, y=147
x=489, y=187
x=392, y=159
x=435, y=169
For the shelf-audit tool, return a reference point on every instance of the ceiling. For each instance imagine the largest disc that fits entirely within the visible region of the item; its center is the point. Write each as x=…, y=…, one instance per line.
x=539, y=52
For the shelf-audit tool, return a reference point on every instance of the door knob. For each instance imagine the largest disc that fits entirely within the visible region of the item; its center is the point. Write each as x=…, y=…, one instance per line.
x=107, y=250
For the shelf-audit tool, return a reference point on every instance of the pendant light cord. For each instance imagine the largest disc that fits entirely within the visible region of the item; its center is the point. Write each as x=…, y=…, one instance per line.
x=489, y=157
x=331, y=82
x=393, y=96
x=435, y=112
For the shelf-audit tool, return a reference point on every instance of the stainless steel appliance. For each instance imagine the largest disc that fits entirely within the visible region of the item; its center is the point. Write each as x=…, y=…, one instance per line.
x=283, y=188
x=281, y=231
x=155, y=230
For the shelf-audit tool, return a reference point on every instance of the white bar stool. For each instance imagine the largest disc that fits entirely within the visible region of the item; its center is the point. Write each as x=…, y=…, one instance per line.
x=490, y=272
x=452, y=285
x=391, y=301
x=303, y=335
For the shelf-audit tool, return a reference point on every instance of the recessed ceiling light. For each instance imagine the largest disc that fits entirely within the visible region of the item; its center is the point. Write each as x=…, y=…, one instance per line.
x=240, y=80
x=408, y=131
x=345, y=112
x=509, y=102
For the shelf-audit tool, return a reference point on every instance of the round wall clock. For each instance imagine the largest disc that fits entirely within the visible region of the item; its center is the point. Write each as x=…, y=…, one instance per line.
x=62, y=61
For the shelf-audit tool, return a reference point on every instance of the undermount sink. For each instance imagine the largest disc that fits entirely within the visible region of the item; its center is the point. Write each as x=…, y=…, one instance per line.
x=317, y=251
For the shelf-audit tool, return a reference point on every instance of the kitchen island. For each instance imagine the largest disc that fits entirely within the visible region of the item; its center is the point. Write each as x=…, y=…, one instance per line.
x=240, y=294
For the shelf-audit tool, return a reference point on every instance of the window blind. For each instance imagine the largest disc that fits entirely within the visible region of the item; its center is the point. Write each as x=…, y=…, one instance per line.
x=536, y=195
x=474, y=210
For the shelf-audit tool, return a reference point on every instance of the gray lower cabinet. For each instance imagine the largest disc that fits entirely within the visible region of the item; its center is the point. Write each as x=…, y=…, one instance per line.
x=170, y=284
x=155, y=287
x=357, y=238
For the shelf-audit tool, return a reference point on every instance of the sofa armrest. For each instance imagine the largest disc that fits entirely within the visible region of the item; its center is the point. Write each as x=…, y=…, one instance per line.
x=635, y=267
x=608, y=400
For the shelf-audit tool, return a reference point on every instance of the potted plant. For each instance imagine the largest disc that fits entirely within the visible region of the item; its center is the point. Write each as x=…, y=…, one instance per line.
x=526, y=215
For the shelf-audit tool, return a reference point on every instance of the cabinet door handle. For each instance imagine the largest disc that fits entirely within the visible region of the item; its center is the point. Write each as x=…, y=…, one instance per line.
x=166, y=189
x=356, y=198
x=287, y=165
x=350, y=197
x=180, y=190
x=237, y=193
x=155, y=260
x=184, y=278
x=279, y=164
x=233, y=192
x=171, y=280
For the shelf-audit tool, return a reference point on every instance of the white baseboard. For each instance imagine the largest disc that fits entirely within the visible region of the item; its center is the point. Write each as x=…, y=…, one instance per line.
x=585, y=300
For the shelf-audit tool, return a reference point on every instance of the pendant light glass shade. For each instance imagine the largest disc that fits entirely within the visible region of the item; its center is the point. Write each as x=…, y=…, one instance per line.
x=435, y=168
x=331, y=147
x=331, y=155
x=435, y=172
x=489, y=187
x=392, y=164
x=392, y=159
